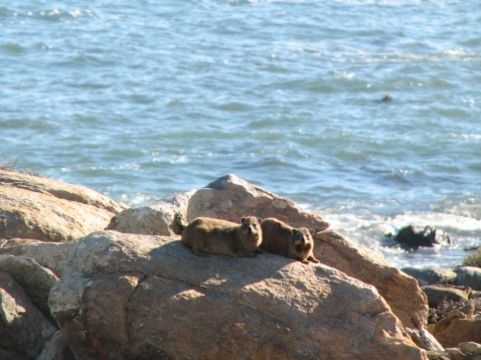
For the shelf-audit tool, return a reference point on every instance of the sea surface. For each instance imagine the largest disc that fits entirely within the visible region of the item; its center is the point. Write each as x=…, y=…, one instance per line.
x=138, y=99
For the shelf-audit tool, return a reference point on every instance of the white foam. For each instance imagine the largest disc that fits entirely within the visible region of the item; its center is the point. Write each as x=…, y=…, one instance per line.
x=440, y=220
x=344, y=75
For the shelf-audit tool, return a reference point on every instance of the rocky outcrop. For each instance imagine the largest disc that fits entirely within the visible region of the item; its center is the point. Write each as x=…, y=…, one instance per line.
x=158, y=218
x=230, y=198
x=50, y=210
x=148, y=297
x=401, y=291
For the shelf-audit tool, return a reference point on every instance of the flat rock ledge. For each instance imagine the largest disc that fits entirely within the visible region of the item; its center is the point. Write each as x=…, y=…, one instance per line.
x=129, y=296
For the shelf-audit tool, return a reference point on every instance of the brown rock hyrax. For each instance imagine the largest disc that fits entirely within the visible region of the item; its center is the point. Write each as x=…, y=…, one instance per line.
x=214, y=236
x=282, y=239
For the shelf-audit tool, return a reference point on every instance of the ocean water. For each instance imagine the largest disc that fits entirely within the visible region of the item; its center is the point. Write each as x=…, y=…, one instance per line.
x=141, y=99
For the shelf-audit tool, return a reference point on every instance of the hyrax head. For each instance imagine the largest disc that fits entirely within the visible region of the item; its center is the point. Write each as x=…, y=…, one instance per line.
x=251, y=232
x=302, y=243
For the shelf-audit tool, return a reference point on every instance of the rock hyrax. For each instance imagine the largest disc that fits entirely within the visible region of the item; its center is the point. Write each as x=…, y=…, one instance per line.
x=282, y=239
x=215, y=236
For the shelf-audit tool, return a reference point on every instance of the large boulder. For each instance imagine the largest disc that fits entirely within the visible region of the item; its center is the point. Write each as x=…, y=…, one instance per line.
x=148, y=297
x=230, y=198
x=24, y=330
x=159, y=218
x=401, y=291
x=50, y=210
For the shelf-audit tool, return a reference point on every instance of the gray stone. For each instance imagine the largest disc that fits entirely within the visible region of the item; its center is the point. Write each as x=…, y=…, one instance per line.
x=158, y=218
x=431, y=276
x=35, y=279
x=24, y=330
x=424, y=339
x=455, y=354
x=231, y=198
x=56, y=349
x=51, y=255
x=470, y=347
x=469, y=276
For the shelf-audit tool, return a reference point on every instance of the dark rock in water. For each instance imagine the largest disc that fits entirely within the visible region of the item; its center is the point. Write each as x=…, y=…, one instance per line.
x=386, y=98
x=410, y=237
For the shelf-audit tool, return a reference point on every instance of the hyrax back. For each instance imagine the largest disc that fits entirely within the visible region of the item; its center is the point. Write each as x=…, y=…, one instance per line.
x=215, y=236
x=282, y=239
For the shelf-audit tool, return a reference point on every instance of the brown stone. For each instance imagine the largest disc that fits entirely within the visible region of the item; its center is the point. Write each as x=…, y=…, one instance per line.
x=455, y=329
x=50, y=210
x=231, y=198
x=400, y=290
x=148, y=297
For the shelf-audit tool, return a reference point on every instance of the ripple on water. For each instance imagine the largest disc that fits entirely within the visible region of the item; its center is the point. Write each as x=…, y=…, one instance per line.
x=62, y=14
x=146, y=97
x=40, y=124
x=12, y=48
x=86, y=59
